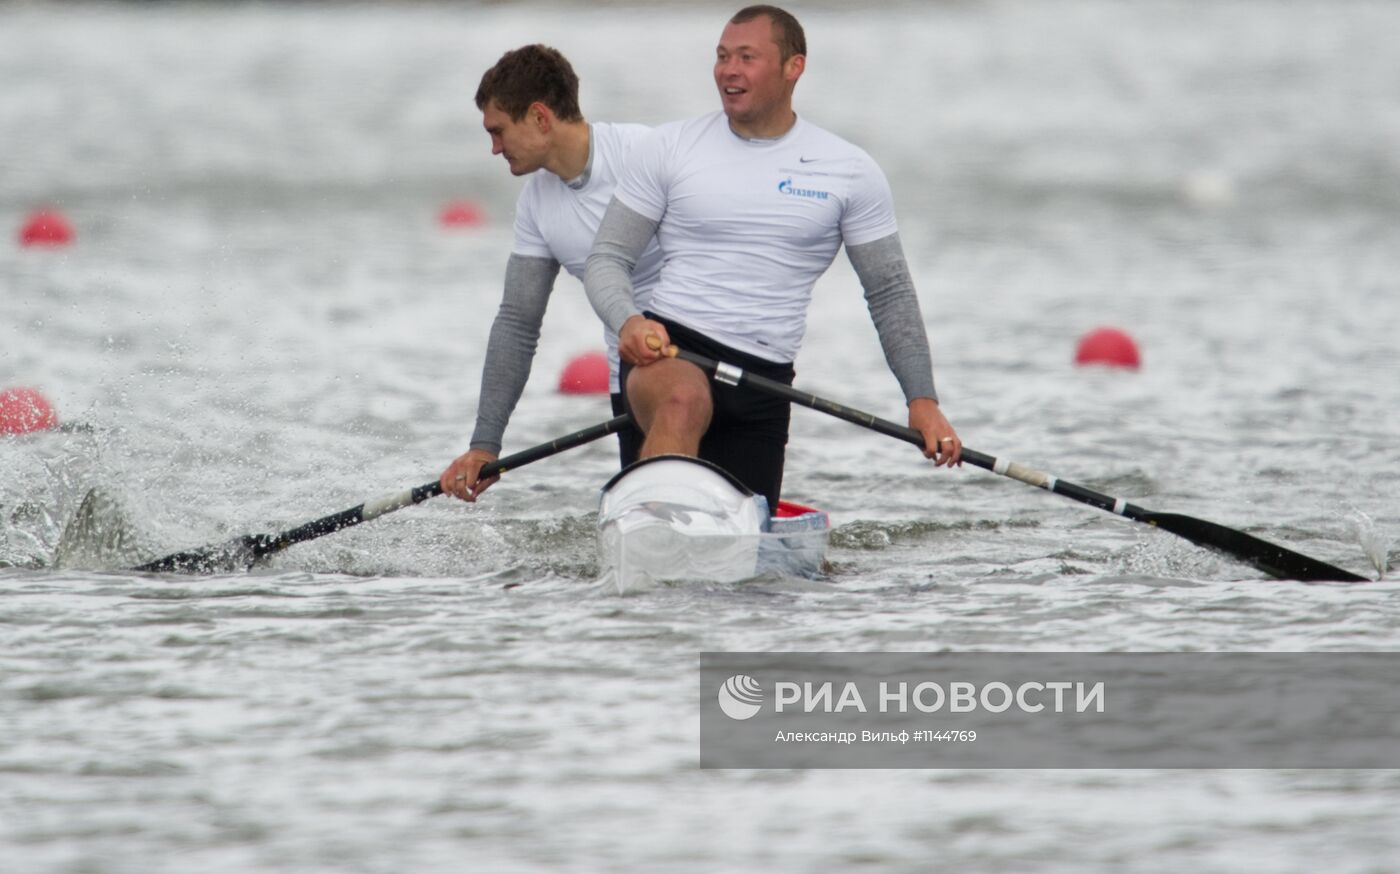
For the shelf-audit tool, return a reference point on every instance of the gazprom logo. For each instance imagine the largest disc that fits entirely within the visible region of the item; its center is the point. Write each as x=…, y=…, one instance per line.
x=786, y=187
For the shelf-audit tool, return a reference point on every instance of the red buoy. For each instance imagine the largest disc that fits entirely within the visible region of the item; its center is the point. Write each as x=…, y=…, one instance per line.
x=23, y=411
x=586, y=374
x=461, y=214
x=1108, y=346
x=46, y=227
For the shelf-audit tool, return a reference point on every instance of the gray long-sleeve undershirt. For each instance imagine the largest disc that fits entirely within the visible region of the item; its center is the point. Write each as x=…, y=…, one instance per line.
x=894, y=308
x=515, y=335
x=880, y=265
x=607, y=274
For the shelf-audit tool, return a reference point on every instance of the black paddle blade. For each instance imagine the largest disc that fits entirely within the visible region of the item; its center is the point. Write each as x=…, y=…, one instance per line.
x=234, y=555
x=1272, y=559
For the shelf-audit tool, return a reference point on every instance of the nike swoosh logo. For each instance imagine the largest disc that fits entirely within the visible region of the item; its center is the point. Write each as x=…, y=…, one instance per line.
x=808, y=160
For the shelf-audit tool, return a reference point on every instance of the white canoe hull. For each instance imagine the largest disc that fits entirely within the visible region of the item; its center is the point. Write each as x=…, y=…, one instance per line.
x=674, y=518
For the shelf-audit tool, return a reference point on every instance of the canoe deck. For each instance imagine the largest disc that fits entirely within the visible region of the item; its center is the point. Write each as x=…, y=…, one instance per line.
x=675, y=518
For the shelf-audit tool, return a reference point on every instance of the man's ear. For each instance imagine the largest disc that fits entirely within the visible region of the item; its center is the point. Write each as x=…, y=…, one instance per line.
x=542, y=117
x=792, y=70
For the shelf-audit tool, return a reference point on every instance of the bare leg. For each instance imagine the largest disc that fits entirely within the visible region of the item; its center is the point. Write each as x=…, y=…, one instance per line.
x=671, y=403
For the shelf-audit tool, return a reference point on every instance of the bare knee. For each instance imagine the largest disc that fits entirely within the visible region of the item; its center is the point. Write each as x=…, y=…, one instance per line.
x=685, y=401
x=673, y=406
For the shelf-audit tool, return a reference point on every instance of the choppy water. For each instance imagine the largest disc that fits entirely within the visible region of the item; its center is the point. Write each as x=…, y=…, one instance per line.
x=261, y=323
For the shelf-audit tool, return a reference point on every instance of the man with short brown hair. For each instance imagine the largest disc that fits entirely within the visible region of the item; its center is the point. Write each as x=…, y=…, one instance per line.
x=529, y=107
x=750, y=206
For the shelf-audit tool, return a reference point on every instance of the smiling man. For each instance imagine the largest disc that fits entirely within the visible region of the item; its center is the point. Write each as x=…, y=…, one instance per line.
x=529, y=107
x=750, y=206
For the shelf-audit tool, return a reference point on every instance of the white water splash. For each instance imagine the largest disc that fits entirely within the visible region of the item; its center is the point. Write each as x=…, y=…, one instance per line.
x=100, y=536
x=1374, y=542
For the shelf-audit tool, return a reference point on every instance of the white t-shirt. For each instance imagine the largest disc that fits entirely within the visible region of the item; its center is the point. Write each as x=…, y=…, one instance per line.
x=746, y=227
x=558, y=219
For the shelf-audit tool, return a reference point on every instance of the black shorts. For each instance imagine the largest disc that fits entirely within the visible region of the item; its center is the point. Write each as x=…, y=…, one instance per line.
x=748, y=431
x=629, y=439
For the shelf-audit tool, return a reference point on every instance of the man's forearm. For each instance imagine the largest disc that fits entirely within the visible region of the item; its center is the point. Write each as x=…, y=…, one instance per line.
x=515, y=335
x=894, y=307
x=607, y=277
